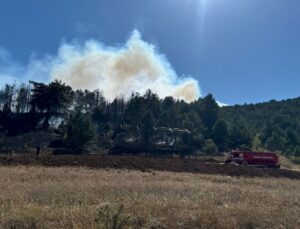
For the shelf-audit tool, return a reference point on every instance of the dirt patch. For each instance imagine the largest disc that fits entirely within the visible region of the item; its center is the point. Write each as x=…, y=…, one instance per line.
x=146, y=164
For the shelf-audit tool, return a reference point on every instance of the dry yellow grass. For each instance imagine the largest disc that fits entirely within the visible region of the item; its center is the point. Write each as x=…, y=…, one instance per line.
x=43, y=197
x=287, y=163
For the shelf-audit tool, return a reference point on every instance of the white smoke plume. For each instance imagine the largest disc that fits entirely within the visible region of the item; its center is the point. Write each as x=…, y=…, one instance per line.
x=116, y=71
x=120, y=71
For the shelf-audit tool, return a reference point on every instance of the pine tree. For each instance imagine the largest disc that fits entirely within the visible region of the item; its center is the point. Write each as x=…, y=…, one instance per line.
x=51, y=98
x=146, y=127
x=276, y=141
x=220, y=134
x=23, y=99
x=79, y=130
x=239, y=136
x=209, y=111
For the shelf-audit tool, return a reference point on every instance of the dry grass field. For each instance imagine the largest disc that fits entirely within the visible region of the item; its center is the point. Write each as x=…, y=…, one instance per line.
x=70, y=197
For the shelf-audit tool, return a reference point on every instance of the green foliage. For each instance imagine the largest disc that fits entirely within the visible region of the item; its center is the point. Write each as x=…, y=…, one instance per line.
x=291, y=137
x=168, y=103
x=289, y=151
x=276, y=141
x=107, y=128
x=6, y=98
x=52, y=98
x=209, y=111
x=152, y=103
x=210, y=147
x=276, y=122
x=23, y=99
x=257, y=143
x=197, y=140
x=193, y=122
x=220, y=134
x=79, y=130
x=146, y=126
x=134, y=110
x=272, y=125
x=239, y=136
x=297, y=151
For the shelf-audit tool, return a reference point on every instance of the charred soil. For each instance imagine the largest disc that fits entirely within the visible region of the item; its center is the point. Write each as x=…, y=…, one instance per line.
x=145, y=165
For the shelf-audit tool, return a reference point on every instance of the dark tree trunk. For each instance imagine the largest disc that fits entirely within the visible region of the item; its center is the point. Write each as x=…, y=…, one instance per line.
x=46, y=121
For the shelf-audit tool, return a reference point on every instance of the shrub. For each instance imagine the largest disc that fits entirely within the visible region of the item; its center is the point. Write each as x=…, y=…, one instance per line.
x=210, y=147
x=79, y=130
x=297, y=151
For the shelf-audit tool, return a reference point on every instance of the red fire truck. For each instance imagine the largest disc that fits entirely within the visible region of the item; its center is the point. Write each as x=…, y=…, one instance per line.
x=257, y=159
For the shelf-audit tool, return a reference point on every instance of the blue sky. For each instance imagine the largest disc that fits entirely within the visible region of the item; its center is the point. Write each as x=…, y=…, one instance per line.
x=242, y=51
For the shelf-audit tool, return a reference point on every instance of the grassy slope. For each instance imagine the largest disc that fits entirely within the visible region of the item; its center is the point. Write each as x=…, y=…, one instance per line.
x=85, y=198
x=287, y=163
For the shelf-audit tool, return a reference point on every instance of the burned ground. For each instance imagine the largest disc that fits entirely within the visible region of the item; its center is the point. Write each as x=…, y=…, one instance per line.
x=146, y=165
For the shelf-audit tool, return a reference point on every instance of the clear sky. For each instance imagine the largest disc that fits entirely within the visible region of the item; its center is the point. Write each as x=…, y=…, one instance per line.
x=242, y=51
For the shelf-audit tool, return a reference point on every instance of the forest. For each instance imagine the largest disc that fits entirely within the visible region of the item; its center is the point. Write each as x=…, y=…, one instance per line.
x=87, y=116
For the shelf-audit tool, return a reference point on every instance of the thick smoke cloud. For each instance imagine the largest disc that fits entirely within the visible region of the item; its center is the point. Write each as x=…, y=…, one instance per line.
x=119, y=71
x=116, y=71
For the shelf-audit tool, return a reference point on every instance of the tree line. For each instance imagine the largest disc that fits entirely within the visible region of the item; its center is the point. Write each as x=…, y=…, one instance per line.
x=272, y=125
x=266, y=126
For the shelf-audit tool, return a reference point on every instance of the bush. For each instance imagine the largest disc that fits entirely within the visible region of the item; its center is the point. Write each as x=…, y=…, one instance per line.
x=297, y=151
x=79, y=130
x=210, y=147
x=289, y=151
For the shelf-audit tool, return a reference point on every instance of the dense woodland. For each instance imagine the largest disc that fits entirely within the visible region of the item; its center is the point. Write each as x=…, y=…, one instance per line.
x=87, y=115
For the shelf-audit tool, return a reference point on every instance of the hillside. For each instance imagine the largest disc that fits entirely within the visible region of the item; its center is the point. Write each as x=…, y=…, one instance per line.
x=85, y=117
x=275, y=124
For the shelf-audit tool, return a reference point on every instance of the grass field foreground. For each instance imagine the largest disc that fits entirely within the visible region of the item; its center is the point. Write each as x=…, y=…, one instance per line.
x=50, y=197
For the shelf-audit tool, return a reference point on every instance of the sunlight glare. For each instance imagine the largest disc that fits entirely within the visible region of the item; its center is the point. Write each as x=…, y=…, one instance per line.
x=201, y=11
